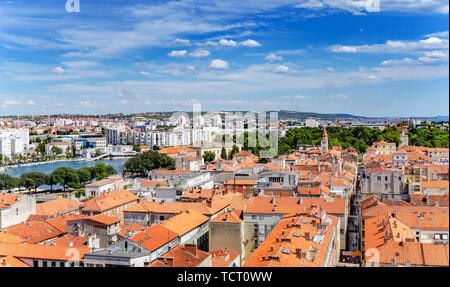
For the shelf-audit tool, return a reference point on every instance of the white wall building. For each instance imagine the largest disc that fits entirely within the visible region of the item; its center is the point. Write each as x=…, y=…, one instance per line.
x=13, y=141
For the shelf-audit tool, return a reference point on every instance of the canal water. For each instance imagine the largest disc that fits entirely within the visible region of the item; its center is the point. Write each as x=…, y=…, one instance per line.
x=49, y=167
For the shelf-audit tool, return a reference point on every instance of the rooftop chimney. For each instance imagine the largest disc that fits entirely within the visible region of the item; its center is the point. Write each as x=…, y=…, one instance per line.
x=191, y=248
x=169, y=261
x=307, y=235
x=298, y=253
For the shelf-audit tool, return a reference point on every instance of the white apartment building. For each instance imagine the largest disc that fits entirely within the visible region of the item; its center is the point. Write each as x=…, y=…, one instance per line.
x=13, y=141
x=310, y=122
x=180, y=137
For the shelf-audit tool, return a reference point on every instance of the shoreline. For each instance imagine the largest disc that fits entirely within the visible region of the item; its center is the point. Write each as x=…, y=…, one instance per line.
x=5, y=168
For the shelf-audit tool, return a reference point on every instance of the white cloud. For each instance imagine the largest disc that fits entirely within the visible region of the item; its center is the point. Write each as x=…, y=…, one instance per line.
x=362, y=7
x=284, y=69
x=190, y=68
x=414, y=47
x=273, y=57
x=301, y=97
x=177, y=53
x=438, y=34
x=330, y=69
x=86, y=104
x=437, y=54
x=372, y=77
x=58, y=70
x=289, y=52
x=144, y=73
x=199, y=53
x=224, y=42
x=311, y=4
x=31, y=103
x=344, y=49
x=219, y=64
x=338, y=96
x=431, y=41
x=250, y=43
x=184, y=42
x=12, y=102
x=124, y=102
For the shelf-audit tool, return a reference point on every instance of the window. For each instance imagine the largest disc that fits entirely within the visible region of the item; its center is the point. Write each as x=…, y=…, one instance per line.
x=437, y=236
x=61, y=264
x=44, y=263
x=261, y=217
x=444, y=236
x=161, y=218
x=385, y=178
x=35, y=263
x=253, y=216
x=379, y=177
x=53, y=264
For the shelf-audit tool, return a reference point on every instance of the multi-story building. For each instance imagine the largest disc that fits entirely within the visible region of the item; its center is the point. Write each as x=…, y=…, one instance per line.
x=309, y=240
x=229, y=232
x=13, y=141
x=15, y=208
x=388, y=183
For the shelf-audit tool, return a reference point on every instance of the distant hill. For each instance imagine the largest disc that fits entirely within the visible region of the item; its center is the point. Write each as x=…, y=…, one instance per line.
x=305, y=115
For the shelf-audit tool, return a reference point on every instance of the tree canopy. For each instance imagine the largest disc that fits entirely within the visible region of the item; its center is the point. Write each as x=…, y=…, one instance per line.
x=145, y=162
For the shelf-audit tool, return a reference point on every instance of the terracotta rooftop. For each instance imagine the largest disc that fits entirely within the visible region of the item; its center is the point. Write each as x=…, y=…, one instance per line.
x=181, y=256
x=57, y=206
x=45, y=252
x=154, y=237
x=296, y=242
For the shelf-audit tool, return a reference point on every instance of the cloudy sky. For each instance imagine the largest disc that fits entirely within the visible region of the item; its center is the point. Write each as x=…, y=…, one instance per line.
x=327, y=56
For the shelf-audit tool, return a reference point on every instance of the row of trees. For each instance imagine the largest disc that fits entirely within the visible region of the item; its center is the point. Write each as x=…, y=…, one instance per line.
x=429, y=137
x=209, y=156
x=358, y=137
x=361, y=138
x=144, y=162
x=64, y=176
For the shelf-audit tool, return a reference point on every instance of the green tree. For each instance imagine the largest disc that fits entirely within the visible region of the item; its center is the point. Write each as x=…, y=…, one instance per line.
x=100, y=171
x=136, y=148
x=234, y=150
x=110, y=170
x=33, y=180
x=84, y=174
x=56, y=150
x=66, y=177
x=143, y=163
x=224, y=153
x=209, y=156
x=8, y=182
x=98, y=152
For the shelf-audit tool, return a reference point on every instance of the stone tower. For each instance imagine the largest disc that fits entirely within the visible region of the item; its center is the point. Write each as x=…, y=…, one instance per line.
x=324, y=141
x=404, y=139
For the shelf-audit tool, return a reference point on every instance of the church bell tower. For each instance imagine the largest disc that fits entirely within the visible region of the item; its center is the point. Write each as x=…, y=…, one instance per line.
x=324, y=141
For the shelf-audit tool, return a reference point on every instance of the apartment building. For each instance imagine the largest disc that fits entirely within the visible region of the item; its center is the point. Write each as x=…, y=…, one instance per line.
x=309, y=240
x=110, y=203
x=13, y=141
x=388, y=183
x=15, y=208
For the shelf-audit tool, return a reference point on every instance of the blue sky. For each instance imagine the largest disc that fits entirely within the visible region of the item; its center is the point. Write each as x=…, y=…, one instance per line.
x=327, y=56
